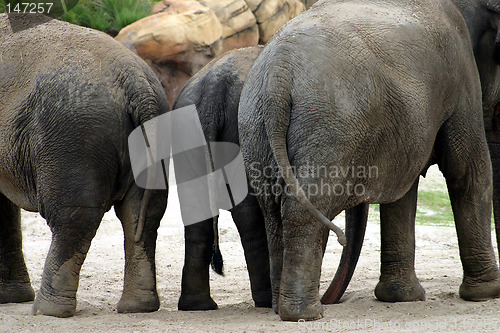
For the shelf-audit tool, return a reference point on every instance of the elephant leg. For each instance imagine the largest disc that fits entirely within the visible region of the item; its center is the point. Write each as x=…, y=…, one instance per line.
x=15, y=285
x=304, y=240
x=494, y=145
x=72, y=231
x=398, y=281
x=195, y=287
x=274, y=232
x=139, y=285
x=464, y=160
x=250, y=223
x=355, y=227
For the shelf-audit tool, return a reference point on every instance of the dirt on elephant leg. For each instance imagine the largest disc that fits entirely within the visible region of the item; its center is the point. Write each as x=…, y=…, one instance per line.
x=274, y=233
x=58, y=298
x=303, y=239
x=398, y=281
x=72, y=231
x=139, y=286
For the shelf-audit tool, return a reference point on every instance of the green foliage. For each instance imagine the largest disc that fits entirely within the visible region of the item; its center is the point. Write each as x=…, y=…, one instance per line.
x=433, y=207
x=109, y=16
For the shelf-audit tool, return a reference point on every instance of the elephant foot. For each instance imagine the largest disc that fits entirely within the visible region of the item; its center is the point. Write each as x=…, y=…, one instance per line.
x=196, y=303
x=43, y=306
x=289, y=311
x=400, y=291
x=134, y=303
x=16, y=292
x=263, y=299
x=479, y=289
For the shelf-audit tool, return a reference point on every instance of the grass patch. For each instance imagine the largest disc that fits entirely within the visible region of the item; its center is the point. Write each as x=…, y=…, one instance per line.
x=433, y=206
x=433, y=209
x=109, y=16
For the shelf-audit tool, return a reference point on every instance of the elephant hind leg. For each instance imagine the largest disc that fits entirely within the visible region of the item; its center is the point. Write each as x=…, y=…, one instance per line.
x=139, y=287
x=304, y=241
x=250, y=223
x=398, y=281
x=15, y=285
x=274, y=232
x=195, y=286
x=464, y=160
x=73, y=229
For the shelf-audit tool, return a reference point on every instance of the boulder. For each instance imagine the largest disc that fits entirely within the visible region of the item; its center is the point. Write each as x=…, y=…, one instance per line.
x=184, y=33
x=181, y=36
x=239, y=26
x=272, y=14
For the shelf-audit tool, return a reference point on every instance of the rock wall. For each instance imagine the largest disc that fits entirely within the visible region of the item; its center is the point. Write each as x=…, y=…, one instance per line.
x=181, y=36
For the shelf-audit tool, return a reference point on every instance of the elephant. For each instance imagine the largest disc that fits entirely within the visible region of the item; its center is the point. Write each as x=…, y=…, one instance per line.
x=70, y=97
x=482, y=18
x=215, y=91
x=483, y=22
x=350, y=99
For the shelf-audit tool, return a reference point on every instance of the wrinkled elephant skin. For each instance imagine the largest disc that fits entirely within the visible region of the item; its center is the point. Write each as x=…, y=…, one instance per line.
x=215, y=91
x=70, y=97
x=360, y=85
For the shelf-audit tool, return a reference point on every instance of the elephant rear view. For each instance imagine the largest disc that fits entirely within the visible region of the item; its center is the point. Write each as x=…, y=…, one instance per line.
x=70, y=97
x=356, y=99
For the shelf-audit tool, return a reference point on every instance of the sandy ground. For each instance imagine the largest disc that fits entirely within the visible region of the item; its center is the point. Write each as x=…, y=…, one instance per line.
x=437, y=264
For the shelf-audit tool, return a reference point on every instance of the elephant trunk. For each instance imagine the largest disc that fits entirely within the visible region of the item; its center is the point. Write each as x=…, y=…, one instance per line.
x=356, y=219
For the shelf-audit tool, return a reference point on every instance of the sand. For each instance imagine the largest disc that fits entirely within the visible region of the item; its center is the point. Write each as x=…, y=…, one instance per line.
x=437, y=265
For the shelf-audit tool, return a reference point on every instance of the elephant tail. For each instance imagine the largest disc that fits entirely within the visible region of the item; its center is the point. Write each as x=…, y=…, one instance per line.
x=355, y=227
x=142, y=214
x=276, y=106
x=149, y=104
x=217, y=262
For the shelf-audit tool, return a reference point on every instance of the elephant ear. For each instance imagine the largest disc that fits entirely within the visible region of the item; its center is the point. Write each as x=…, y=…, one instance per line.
x=356, y=219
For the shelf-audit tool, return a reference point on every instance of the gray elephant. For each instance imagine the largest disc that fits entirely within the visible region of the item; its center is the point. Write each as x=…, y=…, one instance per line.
x=355, y=100
x=215, y=90
x=482, y=18
x=483, y=22
x=70, y=97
